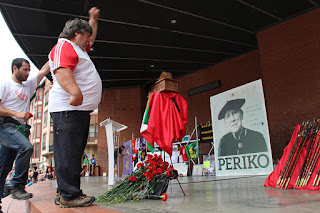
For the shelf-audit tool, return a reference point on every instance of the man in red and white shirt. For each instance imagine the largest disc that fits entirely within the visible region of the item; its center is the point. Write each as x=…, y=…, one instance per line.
x=76, y=92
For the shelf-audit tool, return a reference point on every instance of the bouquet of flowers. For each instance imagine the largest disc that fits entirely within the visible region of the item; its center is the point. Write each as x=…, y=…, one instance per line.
x=140, y=183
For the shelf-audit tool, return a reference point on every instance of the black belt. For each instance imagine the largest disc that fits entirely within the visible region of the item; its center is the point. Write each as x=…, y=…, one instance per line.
x=4, y=120
x=23, y=128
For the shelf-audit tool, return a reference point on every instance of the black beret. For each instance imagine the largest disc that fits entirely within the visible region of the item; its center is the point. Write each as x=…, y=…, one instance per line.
x=235, y=104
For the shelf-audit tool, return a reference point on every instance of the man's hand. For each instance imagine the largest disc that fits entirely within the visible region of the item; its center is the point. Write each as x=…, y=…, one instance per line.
x=94, y=13
x=23, y=115
x=76, y=100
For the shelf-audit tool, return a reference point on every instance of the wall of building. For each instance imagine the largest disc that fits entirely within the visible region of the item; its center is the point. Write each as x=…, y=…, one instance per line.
x=287, y=61
x=289, y=57
x=125, y=106
x=232, y=73
x=36, y=106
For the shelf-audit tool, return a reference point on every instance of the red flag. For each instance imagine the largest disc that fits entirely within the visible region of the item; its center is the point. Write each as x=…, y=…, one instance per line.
x=183, y=152
x=168, y=115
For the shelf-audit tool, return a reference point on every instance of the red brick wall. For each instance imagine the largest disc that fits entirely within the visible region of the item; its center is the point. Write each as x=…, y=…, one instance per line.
x=288, y=63
x=232, y=73
x=125, y=106
x=289, y=57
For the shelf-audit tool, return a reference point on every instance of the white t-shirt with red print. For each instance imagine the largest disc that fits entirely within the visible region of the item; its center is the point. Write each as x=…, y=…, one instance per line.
x=66, y=54
x=16, y=96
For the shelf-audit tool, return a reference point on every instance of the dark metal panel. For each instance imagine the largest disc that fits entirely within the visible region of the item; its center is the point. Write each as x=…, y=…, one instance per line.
x=283, y=8
x=133, y=75
x=154, y=16
x=143, y=65
x=314, y=2
x=204, y=88
x=121, y=33
x=123, y=84
x=79, y=7
x=42, y=46
x=228, y=12
x=144, y=52
x=36, y=22
x=151, y=17
x=136, y=39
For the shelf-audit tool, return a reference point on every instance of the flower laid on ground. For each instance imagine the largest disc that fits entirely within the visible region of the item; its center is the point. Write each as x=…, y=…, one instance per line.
x=133, y=178
x=164, y=196
x=135, y=151
x=140, y=183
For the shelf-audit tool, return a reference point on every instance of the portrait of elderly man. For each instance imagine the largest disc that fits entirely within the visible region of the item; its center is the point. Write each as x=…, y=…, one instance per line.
x=239, y=140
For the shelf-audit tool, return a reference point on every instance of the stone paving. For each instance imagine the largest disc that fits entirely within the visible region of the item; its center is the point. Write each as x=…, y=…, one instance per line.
x=203, y=194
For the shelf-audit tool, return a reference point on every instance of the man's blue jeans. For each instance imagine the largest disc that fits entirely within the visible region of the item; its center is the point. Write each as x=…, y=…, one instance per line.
x=14, y=146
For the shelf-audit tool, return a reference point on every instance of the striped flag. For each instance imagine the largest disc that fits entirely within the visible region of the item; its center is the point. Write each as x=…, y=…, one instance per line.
x=144, y=127
x=164, y=120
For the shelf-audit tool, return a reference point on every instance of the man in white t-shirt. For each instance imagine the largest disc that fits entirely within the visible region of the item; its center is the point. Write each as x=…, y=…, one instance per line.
x=76, y=92
x=15, y=96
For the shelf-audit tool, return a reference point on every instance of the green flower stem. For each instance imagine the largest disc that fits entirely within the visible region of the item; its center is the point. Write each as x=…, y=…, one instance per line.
x=133, y=191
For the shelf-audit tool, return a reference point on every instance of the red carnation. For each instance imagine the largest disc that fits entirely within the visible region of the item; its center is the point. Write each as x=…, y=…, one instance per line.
x=164, y=196
x=135, y=151
x=150, y=177
x=30, y=114
x=145, y=174
x=133, y=178
x=133, y=158
x=139, y=165
x=155, y=157
x=154, y=172
x=159, y=170
x=166, y=164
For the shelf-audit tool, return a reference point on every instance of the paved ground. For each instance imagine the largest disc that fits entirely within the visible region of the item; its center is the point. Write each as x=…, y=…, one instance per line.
x=10, y=205
x=203, y=194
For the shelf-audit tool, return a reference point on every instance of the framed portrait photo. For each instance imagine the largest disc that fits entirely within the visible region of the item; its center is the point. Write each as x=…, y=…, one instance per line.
x=240, y=131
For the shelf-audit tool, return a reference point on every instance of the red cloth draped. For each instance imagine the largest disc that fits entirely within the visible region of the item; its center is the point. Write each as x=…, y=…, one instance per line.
x=183, y=152
x=166, y=123
x=273, y=177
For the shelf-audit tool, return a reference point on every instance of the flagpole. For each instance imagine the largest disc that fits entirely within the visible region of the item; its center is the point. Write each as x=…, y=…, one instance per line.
x=196, y=126
x=177, y=179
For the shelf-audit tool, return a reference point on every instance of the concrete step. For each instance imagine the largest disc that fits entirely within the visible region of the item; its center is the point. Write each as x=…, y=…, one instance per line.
x=43, y=202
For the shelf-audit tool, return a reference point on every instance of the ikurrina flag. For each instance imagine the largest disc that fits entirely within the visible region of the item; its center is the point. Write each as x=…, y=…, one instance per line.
x=164, y=120
x=192, y=150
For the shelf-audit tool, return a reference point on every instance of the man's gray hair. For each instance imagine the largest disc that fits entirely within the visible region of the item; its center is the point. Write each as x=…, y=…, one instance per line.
x=75, y=26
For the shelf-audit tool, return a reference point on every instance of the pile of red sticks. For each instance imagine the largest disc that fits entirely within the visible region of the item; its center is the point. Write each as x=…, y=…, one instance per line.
x=306, y=139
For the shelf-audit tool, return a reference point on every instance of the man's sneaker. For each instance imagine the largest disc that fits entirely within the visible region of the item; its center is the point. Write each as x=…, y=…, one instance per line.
x=57, y=199
x=81, y=201
x=20, y=194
